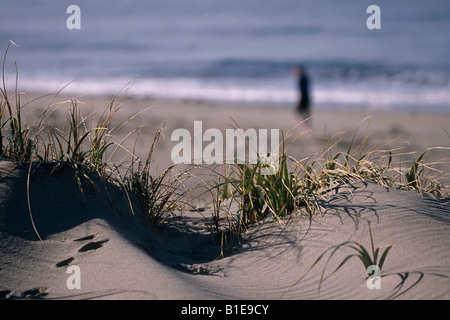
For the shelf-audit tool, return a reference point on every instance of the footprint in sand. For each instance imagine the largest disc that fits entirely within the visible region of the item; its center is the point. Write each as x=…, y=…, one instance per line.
x=65, y=262
x=34, y=293
x=90, y=237
x=94, y=245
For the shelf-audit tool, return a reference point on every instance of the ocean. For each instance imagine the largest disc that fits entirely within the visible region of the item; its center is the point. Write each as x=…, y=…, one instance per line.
x=235, y=50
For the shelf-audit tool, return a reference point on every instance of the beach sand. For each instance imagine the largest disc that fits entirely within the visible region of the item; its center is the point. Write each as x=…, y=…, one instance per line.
x=120, y=257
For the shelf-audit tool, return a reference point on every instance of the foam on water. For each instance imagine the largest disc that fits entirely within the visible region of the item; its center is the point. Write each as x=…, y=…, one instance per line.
x=236, y=51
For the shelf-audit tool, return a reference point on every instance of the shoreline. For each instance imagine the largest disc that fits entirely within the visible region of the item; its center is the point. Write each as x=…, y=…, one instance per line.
x=323, y=107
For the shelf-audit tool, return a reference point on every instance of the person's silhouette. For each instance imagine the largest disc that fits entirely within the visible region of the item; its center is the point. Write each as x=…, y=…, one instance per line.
x=304, y=101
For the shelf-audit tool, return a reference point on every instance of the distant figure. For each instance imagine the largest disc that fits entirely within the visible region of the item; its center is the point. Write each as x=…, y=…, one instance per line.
x=303, y=105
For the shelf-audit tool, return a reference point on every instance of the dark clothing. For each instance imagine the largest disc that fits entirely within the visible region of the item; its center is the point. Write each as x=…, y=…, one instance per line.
x=303, y=103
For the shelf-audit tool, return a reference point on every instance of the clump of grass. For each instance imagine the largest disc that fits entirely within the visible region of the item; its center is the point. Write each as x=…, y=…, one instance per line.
x=262, y=195
x=20, y=145
x=85, y=144
x=336, y=168
x=292, y=186
x=419, y=177
x=367, y=259
x=158, y=195
x=298, y=186
x=246, y=194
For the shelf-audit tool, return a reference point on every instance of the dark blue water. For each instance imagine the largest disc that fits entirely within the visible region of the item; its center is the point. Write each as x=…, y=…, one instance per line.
x=236, y=50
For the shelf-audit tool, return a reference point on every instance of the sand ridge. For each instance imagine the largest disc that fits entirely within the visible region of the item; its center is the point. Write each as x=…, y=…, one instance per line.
x=121, y=258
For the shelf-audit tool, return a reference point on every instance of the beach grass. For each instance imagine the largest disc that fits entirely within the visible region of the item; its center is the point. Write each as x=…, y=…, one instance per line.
x=240, y=193
x=301, y=186
x=157, y=194
x=373, y=262
x=85, y=144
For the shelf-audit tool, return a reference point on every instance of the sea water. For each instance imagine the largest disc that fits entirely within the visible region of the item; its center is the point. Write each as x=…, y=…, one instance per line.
x=235, y=50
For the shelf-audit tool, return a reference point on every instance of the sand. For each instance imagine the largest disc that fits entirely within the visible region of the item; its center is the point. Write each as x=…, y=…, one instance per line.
x=120, y=257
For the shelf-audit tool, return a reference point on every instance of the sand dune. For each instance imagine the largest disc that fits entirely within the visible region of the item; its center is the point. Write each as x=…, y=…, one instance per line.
x=120, y=257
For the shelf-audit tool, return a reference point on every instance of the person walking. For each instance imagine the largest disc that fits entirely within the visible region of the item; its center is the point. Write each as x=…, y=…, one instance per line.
x=304, y=101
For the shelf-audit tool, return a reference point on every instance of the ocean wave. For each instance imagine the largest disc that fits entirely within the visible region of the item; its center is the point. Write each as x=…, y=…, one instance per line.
x=281, y=94
x=320, y=71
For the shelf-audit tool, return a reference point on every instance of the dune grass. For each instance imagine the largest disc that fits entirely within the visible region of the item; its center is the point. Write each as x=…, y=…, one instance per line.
x=241, y=195
x=157, y=194
x=300, y=186
x=85, y=144
x=369, y=260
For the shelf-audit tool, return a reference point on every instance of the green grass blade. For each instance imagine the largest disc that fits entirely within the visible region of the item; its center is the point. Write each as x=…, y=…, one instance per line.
x=383, y=256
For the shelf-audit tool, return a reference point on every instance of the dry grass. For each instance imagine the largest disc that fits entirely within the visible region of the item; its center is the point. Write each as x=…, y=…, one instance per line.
x=241, y=195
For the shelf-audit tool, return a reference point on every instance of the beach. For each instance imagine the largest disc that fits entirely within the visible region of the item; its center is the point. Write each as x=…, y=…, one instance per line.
x=154, y=151
x=118, y=256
